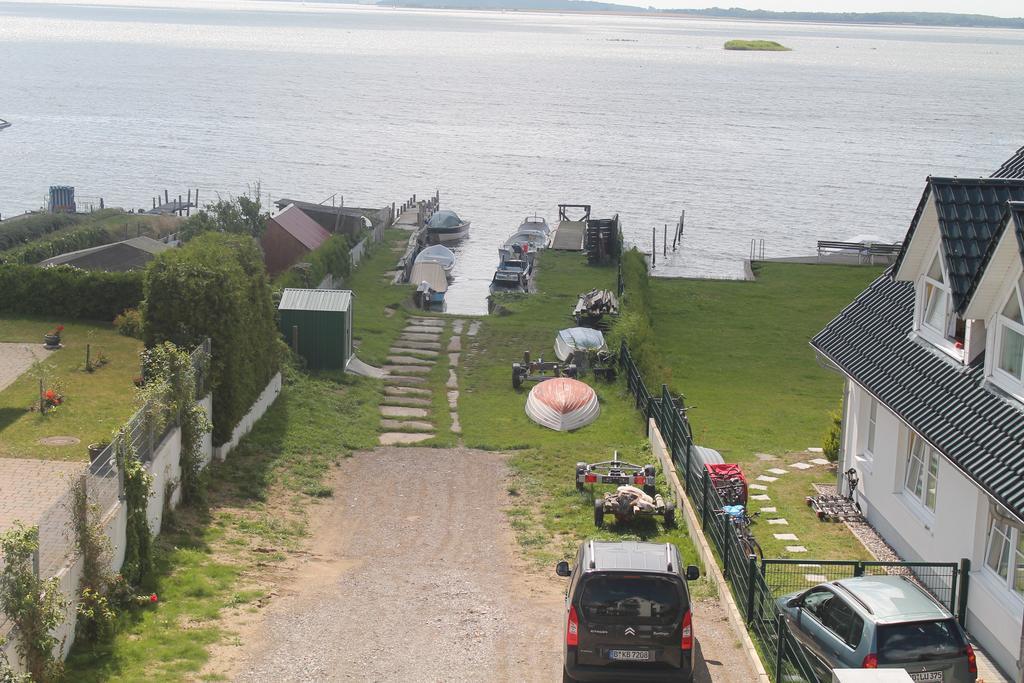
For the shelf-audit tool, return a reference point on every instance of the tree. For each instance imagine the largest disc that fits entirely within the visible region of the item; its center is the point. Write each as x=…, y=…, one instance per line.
x=242, y=215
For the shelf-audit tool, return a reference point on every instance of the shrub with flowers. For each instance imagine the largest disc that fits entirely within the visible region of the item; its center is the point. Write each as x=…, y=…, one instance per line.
x=52, y=398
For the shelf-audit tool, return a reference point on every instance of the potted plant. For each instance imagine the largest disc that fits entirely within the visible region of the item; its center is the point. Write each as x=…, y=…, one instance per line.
x=51, y=340
x=95, y=451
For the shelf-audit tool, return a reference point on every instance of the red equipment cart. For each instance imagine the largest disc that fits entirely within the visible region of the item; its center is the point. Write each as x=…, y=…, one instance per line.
x=729, y=482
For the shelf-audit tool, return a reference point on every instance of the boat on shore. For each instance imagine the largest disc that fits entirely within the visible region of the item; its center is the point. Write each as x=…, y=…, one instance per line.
x=439, y=254
x=446, y=226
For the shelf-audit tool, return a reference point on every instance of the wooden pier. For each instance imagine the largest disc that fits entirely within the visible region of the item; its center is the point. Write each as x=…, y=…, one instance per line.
x=181, y=206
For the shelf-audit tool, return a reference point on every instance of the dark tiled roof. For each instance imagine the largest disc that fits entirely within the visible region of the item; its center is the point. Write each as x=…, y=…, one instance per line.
x=970, y=212
x=979, y=431
x=1012, y=167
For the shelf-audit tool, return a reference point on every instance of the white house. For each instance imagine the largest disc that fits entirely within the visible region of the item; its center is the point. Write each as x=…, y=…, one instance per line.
x=933, y=422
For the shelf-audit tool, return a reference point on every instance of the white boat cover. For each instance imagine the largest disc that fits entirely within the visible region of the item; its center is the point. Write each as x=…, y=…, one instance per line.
x=439, y=254
x=562, y=404
x=432, y=274
x=578, y=339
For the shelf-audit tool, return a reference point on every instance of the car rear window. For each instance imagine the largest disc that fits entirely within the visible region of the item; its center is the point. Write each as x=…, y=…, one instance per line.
x=919, y=641
x=637, y=597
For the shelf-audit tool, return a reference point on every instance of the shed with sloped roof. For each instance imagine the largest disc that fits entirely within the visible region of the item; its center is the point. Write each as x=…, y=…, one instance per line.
x=289, y=236
x=317, y=324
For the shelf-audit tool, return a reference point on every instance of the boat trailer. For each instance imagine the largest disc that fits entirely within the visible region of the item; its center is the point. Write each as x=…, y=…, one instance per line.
x=538, y=370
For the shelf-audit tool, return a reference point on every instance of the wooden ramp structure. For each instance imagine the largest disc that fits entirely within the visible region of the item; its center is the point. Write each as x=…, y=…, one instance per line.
x=571, y=231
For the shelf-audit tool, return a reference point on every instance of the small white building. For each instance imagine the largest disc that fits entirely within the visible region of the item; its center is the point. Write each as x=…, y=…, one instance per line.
x=933, y=353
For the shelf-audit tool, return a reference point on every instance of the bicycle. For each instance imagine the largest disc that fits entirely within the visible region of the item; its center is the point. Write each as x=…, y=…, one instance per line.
x=741, y=523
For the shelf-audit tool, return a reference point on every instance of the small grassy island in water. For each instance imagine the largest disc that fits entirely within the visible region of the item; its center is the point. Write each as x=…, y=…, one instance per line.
x=763, y=45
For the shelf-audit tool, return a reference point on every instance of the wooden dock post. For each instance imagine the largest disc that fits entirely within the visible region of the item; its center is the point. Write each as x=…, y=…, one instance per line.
x=188, y=207
x=154, y=203
x=664, y=241
x=654, y=246
x=167, y=197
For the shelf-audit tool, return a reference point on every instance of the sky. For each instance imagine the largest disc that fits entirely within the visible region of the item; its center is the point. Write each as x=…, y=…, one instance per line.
x=998, y=8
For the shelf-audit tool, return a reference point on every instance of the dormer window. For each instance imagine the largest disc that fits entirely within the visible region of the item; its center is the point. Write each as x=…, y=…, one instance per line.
x=936, y=321
x=1008, y=370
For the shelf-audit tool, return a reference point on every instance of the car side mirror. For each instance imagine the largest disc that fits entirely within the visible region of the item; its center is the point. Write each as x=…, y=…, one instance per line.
x=562, y=569
x=692, y=573
x=796, y=602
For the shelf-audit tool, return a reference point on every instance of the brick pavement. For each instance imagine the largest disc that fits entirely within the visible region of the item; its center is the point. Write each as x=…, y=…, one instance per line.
x=16, y=358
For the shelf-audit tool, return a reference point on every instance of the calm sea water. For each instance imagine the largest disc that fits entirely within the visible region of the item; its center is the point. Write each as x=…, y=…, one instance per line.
x=507, y=114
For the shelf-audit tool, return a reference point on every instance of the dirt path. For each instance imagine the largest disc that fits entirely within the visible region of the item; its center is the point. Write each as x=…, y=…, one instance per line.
x=429, y=588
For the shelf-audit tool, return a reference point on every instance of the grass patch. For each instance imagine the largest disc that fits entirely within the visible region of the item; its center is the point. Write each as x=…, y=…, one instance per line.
x=758, y=45
x=378, y=311
x=549, y=517
x=96, y=403
x=209, y=558
x=739, y=351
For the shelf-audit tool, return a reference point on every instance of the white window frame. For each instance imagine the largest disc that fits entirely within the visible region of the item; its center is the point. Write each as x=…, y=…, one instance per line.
x=1004, y=380
x=872, y=427
x=940, y=338
x=920, y=452
x=1013, y=551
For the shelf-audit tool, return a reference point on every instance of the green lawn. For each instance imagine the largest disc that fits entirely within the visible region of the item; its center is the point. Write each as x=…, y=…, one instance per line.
x=96, y=403
x=550, y=518
x=378, y=312
x=739, y=351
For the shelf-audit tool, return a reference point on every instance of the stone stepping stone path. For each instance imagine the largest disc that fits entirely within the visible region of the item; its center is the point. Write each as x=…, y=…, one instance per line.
x=785, y=537
x=801, y=466
x=781, y=521
x=407, y=407
x=796, y=549
x=761, y=496
x=778, y=472
x=768, y=509
x=815, y=578
x=820, y=461
x=474, y=327
x=757, y=487
x=764, y=477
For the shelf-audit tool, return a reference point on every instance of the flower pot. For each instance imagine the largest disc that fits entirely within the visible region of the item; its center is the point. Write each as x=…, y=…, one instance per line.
x=51, y=341
x=95, y=451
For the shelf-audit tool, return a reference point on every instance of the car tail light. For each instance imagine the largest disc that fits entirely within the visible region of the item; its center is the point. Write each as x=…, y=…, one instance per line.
x=870, y=662
x=590, y=478
x=972, y=661
x=687, y=643
x=572, y=629
x=639, y=480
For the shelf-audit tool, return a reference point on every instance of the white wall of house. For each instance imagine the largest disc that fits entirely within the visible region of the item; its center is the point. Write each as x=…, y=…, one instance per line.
x=957, y=528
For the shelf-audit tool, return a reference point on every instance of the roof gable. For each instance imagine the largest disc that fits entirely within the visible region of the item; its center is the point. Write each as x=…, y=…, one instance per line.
x=969, y=213
x=1002, y=263
x=979, y=431
x=300, y=226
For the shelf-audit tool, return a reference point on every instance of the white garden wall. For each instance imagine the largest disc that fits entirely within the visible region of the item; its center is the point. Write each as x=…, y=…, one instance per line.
x=265, y=400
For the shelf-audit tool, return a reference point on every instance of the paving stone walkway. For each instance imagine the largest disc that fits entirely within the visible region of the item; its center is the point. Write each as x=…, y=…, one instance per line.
x=763, y=497
x=406, y=410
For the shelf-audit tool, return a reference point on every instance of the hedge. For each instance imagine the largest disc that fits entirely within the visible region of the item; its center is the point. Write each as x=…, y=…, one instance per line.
x=634, y=323
x=216, y=287
x=17, y=231
x=67, y=292
x=40, y=250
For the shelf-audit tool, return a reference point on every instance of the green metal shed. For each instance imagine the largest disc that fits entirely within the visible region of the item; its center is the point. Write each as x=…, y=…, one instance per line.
x=319, y=321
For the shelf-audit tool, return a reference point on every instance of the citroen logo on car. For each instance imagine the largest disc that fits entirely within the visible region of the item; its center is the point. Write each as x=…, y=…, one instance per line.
x=630, y=631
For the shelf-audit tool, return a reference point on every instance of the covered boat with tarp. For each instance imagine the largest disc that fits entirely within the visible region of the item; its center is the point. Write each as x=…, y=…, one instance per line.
x=445, y=226
x=578, y=339
x=439, y=254
x=563, y=404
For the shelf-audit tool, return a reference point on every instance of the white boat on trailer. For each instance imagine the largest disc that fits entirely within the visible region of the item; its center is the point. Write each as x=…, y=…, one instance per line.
x=446, y=226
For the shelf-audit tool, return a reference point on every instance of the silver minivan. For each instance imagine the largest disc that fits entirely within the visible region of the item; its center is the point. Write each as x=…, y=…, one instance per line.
x=883, y=622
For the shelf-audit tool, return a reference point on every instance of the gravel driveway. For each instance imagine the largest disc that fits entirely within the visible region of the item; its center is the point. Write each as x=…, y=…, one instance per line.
x=416, y=578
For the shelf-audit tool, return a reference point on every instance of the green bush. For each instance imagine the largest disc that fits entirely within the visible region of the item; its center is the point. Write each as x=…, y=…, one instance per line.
x=634, y=323
x=67, y=292
x=40, y=250
x=216, y=287
x=129, y=323
x=95, y=619
x=14, y=233
x=830, y=445
x=333, y=256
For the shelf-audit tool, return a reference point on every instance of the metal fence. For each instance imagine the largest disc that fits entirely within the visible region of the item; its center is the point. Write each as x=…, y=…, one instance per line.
x=757, y=587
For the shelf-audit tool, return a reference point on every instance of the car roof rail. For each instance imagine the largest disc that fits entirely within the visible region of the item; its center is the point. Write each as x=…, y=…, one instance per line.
x=668, y=554
x=593, y=560
x=854, y=596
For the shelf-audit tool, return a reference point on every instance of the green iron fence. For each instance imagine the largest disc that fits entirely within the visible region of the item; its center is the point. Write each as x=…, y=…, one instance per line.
x=757, y=587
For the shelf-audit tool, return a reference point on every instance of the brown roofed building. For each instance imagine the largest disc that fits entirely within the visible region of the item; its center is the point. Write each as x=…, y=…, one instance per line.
x=289, y=236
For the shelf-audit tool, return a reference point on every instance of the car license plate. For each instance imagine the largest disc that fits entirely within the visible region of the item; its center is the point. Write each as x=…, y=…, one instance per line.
x=615, y=480
x=928, y=676
x=633, y=655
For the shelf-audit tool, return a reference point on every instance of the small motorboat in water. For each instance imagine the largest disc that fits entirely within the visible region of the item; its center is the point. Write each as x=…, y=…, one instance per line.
x=439, y=254
x=446, y=226
x=512, y=272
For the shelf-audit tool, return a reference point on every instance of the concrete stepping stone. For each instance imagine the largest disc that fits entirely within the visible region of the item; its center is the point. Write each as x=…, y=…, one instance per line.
x=413, y=401
x=405, y=337
x=457, y=326
x=760, y=477
x=456, y=427
x=426, y=322
x=453, y=381
x=760, y=496
x=814, y=578
x=403, y=411
x=776, y=470
x=410, y=425
x=785, y=537
x=406, y=391
x=815, y=449
x=455, y=344
x=404, y=380
x=407, y=369
x=796, y=549
x=767, y=509
x=453, y=359
x=757, y=487
x=395, y=438
x=820, y=461
x=779, y=522
x=425, y=345
x=766, y=456
x=409, y=360
x=474, y=327
x=453, y=399
x=801, y=466
x=424, y=353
